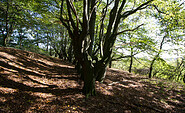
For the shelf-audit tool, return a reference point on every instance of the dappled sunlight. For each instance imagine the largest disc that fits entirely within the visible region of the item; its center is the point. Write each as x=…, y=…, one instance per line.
x=8, y=56
x=7, y=90
x=37, y=84
x=104, y=89
x=42, y=95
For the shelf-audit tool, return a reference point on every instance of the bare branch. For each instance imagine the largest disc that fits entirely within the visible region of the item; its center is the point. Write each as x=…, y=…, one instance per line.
x=75, y=13
x=69, y=7
x=94, y=7
x=130, y=29
x=63, y=20
x=130, y=12
x=181, y=3
x=85, y=15
x=127, y=56
x=158, y=9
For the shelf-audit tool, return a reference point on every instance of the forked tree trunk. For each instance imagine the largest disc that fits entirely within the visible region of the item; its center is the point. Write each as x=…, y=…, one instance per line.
x=91, y=74
x=83, y=39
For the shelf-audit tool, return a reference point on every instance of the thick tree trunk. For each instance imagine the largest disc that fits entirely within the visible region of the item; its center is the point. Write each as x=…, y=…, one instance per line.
x=100, y=71
x=89, y=80
x=82, y=32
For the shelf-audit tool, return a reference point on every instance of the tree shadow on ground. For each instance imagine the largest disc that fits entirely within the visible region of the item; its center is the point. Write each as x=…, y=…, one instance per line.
x=42, y=84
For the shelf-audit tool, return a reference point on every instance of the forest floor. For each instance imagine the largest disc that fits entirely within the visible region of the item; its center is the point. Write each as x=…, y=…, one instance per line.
x=30, y=82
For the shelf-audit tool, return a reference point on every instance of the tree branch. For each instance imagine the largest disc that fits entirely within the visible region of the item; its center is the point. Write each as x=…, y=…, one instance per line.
x=158, y=9
x=69, y=7
x=129, y=29
x=75, y=13
x=63, y=20
x=142, y=6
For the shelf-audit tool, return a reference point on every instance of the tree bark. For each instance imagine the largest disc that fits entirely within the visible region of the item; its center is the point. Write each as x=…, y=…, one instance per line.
x=131, y=60
x=100, y=71
x=110, y=64
x=89, y=80
x=151, y=68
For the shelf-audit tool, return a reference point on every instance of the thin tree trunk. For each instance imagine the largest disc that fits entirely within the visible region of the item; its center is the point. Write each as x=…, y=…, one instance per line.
x=7, y=29
x=151, y=68
x=155, y=58
x=131, y=60
x=47, y=48
x=70, y=53
x=110, y=64
x=5, y=40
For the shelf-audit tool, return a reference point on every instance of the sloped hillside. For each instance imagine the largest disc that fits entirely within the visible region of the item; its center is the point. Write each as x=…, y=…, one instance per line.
x=30, y=82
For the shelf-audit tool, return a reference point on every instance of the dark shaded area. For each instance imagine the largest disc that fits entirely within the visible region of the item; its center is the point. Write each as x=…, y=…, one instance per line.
x=17, y=102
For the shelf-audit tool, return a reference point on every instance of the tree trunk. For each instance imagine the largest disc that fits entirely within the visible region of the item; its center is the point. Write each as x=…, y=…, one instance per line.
x=100, y=71
x=47, y=48
x=151, y=68
x=50, y=51
x=7, y=28
x=110, y=64
x=131, y=60
x=89, y=80
x=5, y=40
x=155, y=58
x=70, y=55
x=20, y=43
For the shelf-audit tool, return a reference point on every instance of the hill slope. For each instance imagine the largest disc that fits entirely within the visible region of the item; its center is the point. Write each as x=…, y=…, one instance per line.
x=30, y=82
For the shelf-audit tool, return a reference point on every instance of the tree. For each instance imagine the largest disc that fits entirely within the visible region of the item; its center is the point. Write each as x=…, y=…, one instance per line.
x=83, y=33
x=170, y=22
x=16, y=16
x=131, y=44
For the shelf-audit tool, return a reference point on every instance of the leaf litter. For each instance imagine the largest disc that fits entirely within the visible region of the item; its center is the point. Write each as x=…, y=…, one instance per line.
x=46, y=84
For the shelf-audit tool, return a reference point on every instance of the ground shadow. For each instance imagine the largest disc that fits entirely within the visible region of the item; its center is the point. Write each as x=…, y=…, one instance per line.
x=42, y=84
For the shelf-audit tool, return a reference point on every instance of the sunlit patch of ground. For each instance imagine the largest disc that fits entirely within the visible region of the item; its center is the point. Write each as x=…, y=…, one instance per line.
x=7, y=90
